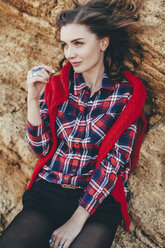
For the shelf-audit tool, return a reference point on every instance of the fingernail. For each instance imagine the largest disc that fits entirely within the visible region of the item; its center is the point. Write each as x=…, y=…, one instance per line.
x=53, y=71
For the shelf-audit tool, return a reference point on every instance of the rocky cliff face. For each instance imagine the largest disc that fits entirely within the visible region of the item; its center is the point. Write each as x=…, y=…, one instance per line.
x=29, y=37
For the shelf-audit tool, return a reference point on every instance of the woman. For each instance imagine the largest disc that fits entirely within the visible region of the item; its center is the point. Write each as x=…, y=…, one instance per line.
x=87, y=133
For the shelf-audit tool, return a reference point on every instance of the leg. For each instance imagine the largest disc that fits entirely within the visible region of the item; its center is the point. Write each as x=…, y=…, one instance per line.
x=29, y=229
x=94, y=235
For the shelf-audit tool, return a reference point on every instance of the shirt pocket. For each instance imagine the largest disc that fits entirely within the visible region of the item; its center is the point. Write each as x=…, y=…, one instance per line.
x=100, y=125
x=64, y=124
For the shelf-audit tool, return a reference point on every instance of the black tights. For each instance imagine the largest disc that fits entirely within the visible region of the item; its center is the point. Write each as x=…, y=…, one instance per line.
x=32, y=229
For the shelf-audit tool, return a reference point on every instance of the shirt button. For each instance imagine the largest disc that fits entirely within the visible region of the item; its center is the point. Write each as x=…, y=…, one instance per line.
x=81, y=108
x=74, y=170
x=65, y=178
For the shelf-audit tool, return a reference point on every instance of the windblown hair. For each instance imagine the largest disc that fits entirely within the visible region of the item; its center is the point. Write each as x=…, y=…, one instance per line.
x=117, y=19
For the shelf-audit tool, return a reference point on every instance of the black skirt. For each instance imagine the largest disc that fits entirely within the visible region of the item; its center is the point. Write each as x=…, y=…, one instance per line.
x=60, y=203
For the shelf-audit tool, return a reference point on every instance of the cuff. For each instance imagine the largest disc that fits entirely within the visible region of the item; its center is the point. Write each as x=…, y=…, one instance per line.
x=89, y=203
x=35, y=130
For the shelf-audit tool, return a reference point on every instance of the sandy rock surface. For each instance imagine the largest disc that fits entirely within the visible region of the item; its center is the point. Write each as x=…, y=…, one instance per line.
x=29, y=37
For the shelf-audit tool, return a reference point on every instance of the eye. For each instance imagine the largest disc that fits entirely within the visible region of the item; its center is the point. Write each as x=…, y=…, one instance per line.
x=63, y=45
x=78, y=43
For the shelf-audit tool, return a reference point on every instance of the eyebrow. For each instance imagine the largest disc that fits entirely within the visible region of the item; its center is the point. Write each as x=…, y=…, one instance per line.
x=74, y=40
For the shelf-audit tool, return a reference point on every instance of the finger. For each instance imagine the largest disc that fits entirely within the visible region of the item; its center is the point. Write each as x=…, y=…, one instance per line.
x=57, y=242
x=36, y=79
x=30, y=77
x=51, y=244
x=47, y=68
x=42, y=73
x=67, y=244
x=55, y=238
x=62, y=241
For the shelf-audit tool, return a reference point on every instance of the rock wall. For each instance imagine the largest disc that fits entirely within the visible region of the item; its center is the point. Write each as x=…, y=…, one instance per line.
x=29, y=37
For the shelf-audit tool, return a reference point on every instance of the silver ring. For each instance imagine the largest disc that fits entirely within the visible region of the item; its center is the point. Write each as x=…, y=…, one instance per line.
x=60, y=246
x=35, y=70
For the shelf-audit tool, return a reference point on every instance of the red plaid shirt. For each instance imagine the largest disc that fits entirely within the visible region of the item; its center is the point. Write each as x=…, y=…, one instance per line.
x=81, y=124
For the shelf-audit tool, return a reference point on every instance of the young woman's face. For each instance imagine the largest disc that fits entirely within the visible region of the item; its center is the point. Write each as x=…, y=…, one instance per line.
x=81, y=47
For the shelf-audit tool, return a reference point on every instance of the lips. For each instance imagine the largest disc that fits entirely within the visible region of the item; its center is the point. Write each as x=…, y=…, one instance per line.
x=75, y=63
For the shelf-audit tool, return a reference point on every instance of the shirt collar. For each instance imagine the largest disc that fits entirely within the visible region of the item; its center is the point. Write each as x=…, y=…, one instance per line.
x=79, y=83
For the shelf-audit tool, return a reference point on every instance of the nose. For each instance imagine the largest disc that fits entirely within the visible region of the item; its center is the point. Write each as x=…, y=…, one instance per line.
x=70, y=53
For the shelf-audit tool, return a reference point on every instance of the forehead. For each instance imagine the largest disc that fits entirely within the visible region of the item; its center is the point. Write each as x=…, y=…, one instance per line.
x=74, y=31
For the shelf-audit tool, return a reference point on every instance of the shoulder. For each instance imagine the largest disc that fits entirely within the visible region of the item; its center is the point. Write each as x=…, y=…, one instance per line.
x=133, y=84
x=135, y=81
x=135, y=91
x=124, y=87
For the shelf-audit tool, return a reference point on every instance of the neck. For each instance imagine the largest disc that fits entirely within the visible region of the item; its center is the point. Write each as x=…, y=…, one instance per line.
x=93, y=78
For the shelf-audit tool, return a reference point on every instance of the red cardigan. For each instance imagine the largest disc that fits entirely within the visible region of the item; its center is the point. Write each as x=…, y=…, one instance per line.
x=57, y=91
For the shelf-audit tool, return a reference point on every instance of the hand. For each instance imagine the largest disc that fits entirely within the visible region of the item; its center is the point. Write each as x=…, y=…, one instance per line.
x=65, y=234
x=36, y=82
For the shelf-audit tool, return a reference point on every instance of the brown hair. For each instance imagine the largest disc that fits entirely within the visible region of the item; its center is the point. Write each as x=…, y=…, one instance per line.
x=118, y=20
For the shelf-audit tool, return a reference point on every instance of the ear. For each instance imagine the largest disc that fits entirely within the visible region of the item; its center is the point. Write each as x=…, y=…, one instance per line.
x=104, y=43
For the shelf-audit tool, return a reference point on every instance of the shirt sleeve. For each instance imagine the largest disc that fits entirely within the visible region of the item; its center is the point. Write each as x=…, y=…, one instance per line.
x=105, y=176
x=39, y=137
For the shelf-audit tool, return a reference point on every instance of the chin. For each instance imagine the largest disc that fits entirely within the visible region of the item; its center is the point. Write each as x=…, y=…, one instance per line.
x=77, y=70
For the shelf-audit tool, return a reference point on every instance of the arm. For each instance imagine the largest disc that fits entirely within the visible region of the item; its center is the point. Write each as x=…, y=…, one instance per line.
x=105, y=176
x=38, y=134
